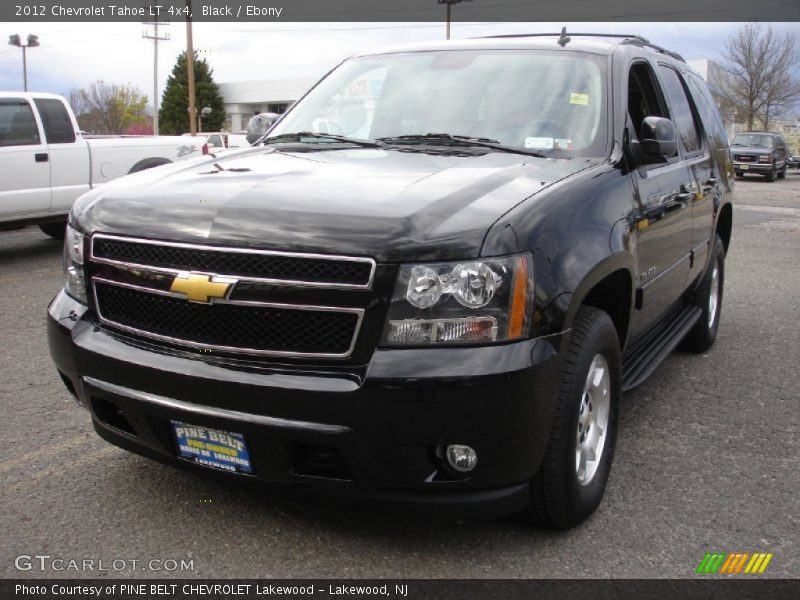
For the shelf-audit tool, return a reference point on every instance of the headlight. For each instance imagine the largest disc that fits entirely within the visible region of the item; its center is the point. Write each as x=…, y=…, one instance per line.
x=74, y=279
x=765, y=158
x=466, y=302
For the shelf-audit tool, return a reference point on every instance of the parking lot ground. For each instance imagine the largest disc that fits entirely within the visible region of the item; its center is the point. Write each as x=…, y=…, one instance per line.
x=707, y=460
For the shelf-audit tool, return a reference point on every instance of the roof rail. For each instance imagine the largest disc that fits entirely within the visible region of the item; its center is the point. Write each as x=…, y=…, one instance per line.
x=646, y=44
x=631, y=39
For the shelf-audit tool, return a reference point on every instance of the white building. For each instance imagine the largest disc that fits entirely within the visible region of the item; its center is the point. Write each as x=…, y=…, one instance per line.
x=244, y=99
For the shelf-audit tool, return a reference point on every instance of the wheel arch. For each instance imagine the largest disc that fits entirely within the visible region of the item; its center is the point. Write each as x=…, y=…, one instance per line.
x=609, y=286
x=149, y=163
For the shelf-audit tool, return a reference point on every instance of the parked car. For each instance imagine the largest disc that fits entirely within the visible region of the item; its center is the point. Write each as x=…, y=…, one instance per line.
x=760, y=152
x=793, y=161
x=440, y=306
x=47, y=163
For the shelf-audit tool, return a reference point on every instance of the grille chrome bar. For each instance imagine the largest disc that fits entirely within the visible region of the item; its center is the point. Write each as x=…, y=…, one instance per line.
x=357, y=312
x=332, y=258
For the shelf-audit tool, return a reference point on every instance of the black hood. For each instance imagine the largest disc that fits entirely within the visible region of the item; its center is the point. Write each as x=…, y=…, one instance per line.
x=388, y=204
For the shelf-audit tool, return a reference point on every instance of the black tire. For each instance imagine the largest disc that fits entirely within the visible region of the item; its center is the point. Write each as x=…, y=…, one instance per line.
x=558, y=500
x=57, y=231
x=739, y=174
x=772, y=174
x=782, y=172
x=702, y=336
x=148, y=163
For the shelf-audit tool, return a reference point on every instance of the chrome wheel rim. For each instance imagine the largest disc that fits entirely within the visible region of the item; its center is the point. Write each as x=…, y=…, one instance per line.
x=593, y=415
x=713, y=296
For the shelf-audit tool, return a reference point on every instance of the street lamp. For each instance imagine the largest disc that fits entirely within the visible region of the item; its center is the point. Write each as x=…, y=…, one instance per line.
x=203, y=113
x=449, y=4
x=31, y=42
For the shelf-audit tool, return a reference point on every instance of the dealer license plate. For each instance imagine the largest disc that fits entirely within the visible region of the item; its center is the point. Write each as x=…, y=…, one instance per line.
x=212, y=447
x=744, y=167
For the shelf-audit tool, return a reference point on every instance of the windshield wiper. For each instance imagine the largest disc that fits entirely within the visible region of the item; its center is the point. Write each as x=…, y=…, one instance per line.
x=299, y=135
x=457, y=140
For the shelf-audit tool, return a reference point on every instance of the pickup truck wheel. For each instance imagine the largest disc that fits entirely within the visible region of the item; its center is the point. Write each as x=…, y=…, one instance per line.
x=772, y=174
x=782, y=172
x=54, y=230
x=709, y=298
x=577, y=462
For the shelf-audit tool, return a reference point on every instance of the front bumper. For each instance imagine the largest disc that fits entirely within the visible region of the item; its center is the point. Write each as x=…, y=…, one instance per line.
x=369, y=432
x=751, y=167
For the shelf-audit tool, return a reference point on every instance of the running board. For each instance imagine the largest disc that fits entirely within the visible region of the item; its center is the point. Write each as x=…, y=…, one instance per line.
x=641, y=359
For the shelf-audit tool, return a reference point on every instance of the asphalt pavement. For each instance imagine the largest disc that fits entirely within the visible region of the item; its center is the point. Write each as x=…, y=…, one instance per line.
x=707, y=459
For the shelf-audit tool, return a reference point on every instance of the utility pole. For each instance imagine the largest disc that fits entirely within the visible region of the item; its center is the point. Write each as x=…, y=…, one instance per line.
x=190, y=69
x=156, y=38
x=31, y=42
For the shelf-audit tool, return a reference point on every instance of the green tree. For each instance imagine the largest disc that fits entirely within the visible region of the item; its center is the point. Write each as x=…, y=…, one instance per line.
x=173, y=115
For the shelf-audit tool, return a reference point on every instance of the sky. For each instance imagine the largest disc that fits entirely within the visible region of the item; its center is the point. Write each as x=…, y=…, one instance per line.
x=74, y=54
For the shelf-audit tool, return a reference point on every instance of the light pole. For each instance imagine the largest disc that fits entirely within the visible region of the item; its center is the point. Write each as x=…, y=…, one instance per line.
x=31, y=42
x=449, y=4
x=203, y=114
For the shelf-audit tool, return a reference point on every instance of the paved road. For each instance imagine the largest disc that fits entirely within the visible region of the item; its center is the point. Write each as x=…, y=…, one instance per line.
x=708, y=457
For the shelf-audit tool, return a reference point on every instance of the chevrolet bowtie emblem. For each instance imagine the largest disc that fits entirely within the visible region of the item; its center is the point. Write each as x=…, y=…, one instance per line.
x=201, y=288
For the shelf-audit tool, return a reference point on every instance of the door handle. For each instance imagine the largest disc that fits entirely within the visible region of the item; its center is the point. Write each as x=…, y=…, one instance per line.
x=41, y=157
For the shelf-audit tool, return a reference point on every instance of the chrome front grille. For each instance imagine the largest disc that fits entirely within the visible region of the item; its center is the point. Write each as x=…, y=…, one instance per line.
x=135, y=293
x=266, y=266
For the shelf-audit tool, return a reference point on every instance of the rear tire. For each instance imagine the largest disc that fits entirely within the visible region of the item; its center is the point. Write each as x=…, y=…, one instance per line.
x=54, y=230
x=569, y=486
x=709, y=298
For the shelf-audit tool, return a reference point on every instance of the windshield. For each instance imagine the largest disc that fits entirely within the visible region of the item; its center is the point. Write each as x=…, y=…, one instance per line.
x=752, y=139
x=548, y=102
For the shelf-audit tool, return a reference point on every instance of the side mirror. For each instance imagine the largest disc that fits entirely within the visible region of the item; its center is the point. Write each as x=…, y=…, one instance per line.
x=659, y=138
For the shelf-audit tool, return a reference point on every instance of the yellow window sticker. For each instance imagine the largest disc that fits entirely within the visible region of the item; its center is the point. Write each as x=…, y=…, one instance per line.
x=576, y=98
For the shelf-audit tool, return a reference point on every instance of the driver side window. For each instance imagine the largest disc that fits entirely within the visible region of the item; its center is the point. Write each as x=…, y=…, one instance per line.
x=644, y=100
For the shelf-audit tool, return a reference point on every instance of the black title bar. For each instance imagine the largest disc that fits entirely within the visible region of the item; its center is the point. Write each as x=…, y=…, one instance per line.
x=412, y=589
x=398, y=10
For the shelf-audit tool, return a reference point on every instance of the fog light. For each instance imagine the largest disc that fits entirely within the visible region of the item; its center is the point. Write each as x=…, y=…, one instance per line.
x=462, y=458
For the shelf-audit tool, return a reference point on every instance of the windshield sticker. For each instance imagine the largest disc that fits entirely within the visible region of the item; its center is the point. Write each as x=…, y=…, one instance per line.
x=576, y=98
x=563, y=144
x=539, y=143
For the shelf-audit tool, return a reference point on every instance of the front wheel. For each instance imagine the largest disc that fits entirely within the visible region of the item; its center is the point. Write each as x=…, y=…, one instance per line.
x=708, y=297
x=577, y=462
x=54, y=230
x=772, y=174
x=782, y=172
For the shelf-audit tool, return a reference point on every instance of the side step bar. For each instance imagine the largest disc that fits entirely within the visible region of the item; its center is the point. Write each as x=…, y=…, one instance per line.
x=641, y=359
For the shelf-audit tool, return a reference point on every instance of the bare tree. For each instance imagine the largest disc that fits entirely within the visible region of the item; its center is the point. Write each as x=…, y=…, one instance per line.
x=108, y=108
x=760, y=62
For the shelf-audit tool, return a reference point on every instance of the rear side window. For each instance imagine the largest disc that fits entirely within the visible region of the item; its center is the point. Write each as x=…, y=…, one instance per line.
x=17, y=124
x=681, y=110
x=57, y=124
x=704, y=102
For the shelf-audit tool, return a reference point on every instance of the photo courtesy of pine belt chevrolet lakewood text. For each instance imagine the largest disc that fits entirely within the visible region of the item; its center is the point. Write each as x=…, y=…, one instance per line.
x=428, y=284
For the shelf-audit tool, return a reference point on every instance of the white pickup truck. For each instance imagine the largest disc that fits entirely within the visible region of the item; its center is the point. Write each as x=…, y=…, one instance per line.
x=46, y=163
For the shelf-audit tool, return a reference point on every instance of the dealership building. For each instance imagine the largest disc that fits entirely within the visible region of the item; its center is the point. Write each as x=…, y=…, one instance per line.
x=244, y=99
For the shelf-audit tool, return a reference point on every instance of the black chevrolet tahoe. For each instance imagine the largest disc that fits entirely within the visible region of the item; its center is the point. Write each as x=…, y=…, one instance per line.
x=429, y=284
